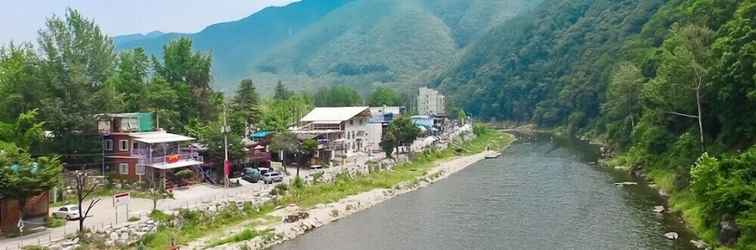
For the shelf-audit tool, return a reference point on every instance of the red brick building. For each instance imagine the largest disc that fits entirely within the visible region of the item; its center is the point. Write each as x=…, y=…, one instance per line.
x=136, y=151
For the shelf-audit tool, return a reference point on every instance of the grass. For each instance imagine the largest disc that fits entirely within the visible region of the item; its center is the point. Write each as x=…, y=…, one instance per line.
x=407, y=172
x=245, y=235
x=53, y=222
x=196, y=224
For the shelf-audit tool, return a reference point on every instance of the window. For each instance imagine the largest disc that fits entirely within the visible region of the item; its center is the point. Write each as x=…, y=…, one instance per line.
x=123, y=168
x=139, y=170
x=108, y=144
x=124, y=145
x=351, y=122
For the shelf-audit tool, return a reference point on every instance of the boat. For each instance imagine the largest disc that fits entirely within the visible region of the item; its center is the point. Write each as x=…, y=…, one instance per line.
x=493, y=155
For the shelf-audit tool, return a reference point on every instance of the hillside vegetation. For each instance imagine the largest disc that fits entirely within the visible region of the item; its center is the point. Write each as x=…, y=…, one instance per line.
x=310, y=44
x=662, y=82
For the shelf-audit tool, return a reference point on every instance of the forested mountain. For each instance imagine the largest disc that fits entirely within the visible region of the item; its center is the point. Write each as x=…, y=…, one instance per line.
x=316, y=43
x=235, y=45
x=668, y=84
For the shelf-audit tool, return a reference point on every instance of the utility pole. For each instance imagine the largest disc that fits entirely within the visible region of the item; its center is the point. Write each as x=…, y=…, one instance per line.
x=226, y=163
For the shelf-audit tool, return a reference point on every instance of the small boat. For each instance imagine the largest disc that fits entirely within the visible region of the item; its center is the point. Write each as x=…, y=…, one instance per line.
x=493, y=155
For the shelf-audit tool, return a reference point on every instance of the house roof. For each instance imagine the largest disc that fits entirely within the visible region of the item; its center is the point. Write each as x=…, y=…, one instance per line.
x=333, y=115
x=159, y=137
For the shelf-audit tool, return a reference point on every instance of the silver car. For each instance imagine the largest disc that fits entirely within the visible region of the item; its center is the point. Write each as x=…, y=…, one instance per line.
x=271, y=177
x=68, y=212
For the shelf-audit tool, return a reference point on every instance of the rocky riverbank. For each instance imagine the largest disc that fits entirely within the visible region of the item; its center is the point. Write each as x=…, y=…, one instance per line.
x=299, y=221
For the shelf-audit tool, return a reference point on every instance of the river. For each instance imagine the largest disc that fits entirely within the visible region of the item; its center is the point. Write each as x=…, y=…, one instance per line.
x=543, y=193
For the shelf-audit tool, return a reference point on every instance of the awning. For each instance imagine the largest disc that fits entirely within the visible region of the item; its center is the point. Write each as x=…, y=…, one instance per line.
x=179, y=164
x=160, y=137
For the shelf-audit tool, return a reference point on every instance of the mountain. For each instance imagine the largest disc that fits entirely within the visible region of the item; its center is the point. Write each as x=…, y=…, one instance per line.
x=234, y=45
x=315, y=42
x=549, y=64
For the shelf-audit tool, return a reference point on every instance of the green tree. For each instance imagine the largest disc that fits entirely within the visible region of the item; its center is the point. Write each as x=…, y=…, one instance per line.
x=245, y=111
x=622, y=107
x=130, y=78
x=180, y=67
x=210, y=134
x=279, y=115
x=389, y=142
x=683, y=74
x=22, y=175
x=288, y=144
x=20, y=83
x=281, y=92
x=25, y=177
x=337, y=96
x=76, y=61
x=383, y=96
x=404, y=131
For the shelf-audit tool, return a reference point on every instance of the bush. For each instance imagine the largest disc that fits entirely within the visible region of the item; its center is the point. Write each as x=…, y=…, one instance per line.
x=159, y=216
x=279, y=189
x=298, y=183
x=134, y=218
x=34, y=247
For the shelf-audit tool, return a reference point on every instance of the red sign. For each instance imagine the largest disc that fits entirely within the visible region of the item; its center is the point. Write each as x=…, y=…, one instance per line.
x=120, y=199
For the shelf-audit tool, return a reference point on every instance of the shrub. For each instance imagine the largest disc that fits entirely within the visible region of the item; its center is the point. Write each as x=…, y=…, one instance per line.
x=298, y=183
x=279, y=189
x=34, y=247
x=159, y=216
x=133, y=219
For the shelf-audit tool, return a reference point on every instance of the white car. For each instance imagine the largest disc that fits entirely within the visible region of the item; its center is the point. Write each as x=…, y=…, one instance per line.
x=69, y=212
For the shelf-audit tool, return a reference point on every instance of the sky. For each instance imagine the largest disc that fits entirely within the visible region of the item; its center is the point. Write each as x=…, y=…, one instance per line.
x=23, y=18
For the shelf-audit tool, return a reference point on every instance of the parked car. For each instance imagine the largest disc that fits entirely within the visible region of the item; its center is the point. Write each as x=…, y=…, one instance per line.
x=68, y=212
x=271, y=177
x=251, y=175
x=264, y=170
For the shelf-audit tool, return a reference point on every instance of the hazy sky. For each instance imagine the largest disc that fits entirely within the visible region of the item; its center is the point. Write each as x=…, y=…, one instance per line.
x=21, y=19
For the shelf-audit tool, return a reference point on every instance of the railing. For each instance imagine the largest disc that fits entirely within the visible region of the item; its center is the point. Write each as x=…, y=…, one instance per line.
x=168, y=158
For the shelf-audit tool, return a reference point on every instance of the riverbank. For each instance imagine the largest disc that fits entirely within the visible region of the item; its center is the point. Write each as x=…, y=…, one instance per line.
x=314, y=206
x=238, y=223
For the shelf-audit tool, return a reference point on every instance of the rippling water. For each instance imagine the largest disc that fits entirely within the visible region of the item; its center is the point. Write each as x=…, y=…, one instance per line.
x=539, y=195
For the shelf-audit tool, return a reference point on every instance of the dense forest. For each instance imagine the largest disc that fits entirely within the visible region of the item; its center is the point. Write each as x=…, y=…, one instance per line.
x=668, y=84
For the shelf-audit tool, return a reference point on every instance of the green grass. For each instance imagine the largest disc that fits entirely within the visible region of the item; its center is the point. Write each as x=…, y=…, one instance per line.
x=198, y=224
x=53, y=222
x=245, y=235
x=407, y=172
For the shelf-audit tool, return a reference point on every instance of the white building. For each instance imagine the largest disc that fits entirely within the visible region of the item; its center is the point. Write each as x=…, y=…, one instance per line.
x=430, y=102
x=343, y=130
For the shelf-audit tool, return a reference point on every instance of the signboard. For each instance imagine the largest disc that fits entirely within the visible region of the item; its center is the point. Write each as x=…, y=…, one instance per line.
x=120, y=199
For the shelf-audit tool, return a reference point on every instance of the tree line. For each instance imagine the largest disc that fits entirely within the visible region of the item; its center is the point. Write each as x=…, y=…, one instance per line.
x=668, y=84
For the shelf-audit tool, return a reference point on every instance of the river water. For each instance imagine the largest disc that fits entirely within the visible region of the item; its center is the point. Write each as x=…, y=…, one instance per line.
x=543, y=193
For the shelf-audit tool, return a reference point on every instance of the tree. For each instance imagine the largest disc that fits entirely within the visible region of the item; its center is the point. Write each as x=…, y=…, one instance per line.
x=279, y=115
x=683, y=73
x=404, y=131
x=24, y=132
x=337, y=96
x=286, y=142
x=25, y=177
x=244, y=109
x=157, y=194
x=383, y=96
x=622, y=107
x=211, y=135
x=389, y=142
x=130, y=77
x=180, y=67
x=84, y=189
x=77, y=59
x=20, y=83
x=281, y=92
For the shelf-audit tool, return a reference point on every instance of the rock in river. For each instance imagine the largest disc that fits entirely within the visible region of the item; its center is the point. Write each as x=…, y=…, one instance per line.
x=659, y=209
x=671, y=236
